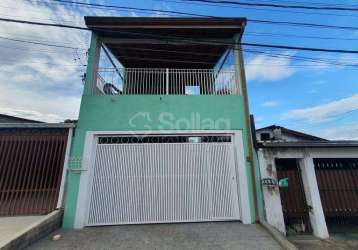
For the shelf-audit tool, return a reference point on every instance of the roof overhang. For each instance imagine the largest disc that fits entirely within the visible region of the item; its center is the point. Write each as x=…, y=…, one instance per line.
x=36, y=125
x=167, y=42
x=309, y=144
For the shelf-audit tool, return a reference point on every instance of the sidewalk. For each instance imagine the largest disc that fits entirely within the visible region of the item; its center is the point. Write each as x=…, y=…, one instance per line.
x=213, y=235
x=20, y=231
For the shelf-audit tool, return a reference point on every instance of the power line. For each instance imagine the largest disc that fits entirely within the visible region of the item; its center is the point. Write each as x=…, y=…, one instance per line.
x=193, y=40
x=252, y=20
x=44, y=24
x=39, y=43
x=36, y=50
x=270, y=54
x=248, y=33
x=39, y=39
x=258, y=9
x=127, y=8
x=324, y=61
x=301, y=48
x=206, y=54
x=260, y=21
x=48, y=63
x=317, y=60
x=275, y=5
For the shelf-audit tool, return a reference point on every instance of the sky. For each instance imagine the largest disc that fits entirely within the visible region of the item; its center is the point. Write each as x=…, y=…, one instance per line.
x=44, y=83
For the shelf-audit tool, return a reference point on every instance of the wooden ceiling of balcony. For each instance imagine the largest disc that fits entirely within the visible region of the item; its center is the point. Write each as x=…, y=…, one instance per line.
x=144, y=42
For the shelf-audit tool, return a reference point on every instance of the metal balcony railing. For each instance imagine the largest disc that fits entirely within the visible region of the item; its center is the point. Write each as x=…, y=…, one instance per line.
x=146, y=81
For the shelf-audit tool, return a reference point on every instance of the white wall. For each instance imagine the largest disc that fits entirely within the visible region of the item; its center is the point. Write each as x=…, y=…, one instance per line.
x=273, y=207
x=272, y=199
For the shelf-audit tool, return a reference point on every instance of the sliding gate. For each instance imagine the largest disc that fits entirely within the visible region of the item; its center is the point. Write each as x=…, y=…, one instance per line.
x=163, y=180
x=31, y=165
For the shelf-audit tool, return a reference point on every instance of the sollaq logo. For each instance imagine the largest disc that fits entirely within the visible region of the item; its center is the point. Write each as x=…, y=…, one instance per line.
x=146, y=122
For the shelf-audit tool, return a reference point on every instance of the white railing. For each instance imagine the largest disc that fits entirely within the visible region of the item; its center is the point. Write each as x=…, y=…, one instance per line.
x=146, y=81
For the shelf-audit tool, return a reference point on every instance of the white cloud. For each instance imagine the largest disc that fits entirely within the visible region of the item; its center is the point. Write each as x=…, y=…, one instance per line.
x=267, y=68
x=324, y=112
x=41, y=82
x=27, y=103
x=346, y=132
x=325, y=63
x=270, y=104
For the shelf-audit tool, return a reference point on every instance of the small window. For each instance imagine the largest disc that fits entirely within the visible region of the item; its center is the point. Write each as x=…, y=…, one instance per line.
x=265, y=137
x=195, y=139
x=192, y=90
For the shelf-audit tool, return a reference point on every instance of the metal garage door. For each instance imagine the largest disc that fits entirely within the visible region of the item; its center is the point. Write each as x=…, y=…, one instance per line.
x=337, y=180
x=163, y=181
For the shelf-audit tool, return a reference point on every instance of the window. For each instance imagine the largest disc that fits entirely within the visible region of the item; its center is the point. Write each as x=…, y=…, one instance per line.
x=265, y=137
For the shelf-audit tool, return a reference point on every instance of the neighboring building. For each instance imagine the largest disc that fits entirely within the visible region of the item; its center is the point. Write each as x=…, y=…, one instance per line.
x=14, y=119
x=163, y=133
x=278, y=133
x=322, y=181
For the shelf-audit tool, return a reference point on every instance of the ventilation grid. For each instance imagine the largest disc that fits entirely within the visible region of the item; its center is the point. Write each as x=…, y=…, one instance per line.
x=163, y=139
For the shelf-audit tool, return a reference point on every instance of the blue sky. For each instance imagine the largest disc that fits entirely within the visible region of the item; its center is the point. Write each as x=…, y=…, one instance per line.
x=312, y=97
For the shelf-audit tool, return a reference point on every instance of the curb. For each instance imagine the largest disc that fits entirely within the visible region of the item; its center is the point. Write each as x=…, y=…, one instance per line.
x=34, y=232
x=279, y=237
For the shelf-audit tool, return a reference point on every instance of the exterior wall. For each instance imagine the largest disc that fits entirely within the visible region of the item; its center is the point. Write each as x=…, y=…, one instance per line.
x=271, y=196
x=259, y=190
x=313, y=197
x=154, y=112
x=149, y=113
x=272, y=200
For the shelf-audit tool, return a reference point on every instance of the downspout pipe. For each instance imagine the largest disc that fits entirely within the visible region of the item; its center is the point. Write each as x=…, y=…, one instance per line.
x=240, y=66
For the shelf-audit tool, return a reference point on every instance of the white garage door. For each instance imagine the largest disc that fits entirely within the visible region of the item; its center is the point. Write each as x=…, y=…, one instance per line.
x=163, y=181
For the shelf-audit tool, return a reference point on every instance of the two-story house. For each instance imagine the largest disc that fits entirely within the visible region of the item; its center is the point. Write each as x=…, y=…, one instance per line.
x=163, y=133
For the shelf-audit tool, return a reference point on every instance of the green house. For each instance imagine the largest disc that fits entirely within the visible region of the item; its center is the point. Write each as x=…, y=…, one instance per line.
x=163, y=133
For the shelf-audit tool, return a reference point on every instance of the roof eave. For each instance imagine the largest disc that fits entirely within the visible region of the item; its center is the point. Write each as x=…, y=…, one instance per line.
x=322, y=144
x=37, y=125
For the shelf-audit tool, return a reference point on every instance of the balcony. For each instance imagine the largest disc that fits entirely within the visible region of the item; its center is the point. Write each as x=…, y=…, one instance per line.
x=165, y=56
x=165, y=81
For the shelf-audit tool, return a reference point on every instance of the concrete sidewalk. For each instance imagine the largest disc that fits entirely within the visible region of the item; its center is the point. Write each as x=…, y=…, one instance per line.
x=345, y=241
x=19, y=231
x=12, y=227
x=214, y=235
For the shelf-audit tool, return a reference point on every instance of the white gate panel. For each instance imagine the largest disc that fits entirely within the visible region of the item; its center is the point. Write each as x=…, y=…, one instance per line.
x=163, y=182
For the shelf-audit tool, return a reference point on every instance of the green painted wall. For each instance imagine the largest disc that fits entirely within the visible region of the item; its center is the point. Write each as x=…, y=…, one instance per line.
x=128, y=113
x=161, y=112
x=149, y=112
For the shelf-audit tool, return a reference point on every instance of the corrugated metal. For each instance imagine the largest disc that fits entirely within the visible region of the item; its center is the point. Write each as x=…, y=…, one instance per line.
x=163, y=182
x=31, y=164
x=338, y=186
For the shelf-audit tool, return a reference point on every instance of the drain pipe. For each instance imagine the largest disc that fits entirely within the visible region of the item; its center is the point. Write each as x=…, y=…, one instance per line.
x=239, y=61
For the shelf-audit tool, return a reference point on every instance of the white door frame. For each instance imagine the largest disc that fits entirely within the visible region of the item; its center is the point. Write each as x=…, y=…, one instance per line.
x=88, y=164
